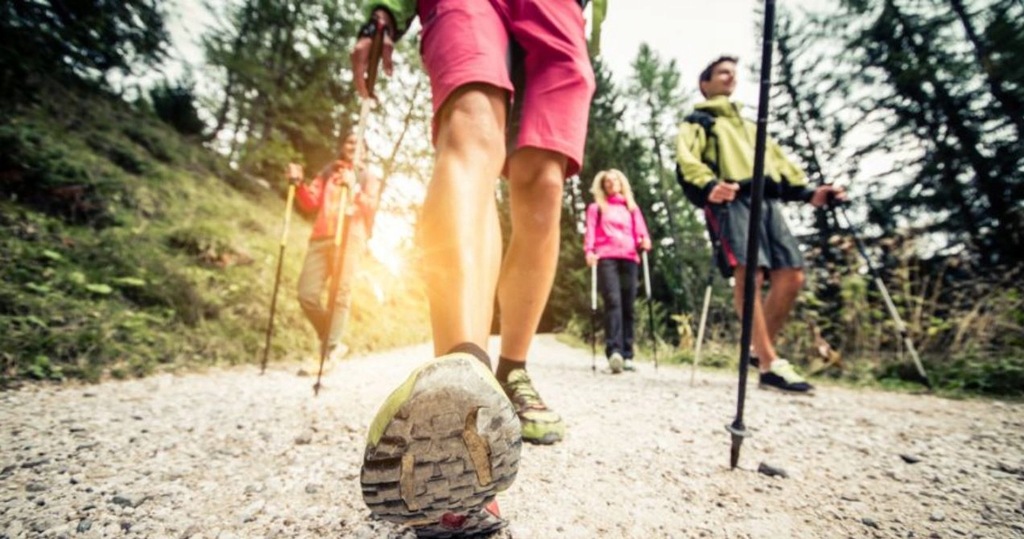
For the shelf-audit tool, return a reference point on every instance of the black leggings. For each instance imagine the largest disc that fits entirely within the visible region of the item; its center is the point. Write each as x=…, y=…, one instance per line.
x=616, y=278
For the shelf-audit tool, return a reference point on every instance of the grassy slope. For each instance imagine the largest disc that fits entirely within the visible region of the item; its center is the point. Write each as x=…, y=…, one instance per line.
x=125, y=249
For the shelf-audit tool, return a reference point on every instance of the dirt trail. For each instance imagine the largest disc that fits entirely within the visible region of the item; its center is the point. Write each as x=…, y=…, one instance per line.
x=232, y=454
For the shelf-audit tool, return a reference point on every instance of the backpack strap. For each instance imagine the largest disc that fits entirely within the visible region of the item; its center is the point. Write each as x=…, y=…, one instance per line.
x=709, y=156
x=706, y=121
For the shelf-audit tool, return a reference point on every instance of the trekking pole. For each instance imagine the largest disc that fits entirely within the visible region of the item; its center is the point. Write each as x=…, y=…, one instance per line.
x=277, y=275
x=593, y=318
x=736, y=428
x=650, y=307
x=337, y=260
x=716, y=244
x=901, y=328
x=340, y=230
x=703, y=321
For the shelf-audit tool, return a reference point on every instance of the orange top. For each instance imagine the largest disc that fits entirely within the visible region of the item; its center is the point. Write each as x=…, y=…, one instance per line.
x=324, y=193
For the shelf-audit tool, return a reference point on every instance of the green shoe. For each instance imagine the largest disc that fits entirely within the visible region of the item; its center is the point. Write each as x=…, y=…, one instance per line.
x=443, y=444
x=540, y=424
x=782, y=377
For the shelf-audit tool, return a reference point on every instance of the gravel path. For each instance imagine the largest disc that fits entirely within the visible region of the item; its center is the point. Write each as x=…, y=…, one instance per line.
x=232, y=454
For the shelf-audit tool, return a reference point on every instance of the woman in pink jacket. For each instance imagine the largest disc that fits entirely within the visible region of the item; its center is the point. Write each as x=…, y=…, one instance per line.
x=615, y=230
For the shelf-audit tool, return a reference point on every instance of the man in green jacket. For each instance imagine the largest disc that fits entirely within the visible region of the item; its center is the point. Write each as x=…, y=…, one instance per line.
x=715, y=154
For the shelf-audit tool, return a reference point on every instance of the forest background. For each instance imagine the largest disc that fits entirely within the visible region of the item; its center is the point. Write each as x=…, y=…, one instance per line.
x=141, y=212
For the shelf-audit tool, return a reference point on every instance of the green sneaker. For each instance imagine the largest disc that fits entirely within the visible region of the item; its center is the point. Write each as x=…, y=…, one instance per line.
x=782, y=377
x=540, y=424
x=443, y=444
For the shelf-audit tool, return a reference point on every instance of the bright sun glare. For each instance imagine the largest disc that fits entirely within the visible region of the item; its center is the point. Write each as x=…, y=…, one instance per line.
x=390, y=235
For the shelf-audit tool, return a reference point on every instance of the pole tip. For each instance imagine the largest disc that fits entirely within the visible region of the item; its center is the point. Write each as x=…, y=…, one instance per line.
x=738, y=432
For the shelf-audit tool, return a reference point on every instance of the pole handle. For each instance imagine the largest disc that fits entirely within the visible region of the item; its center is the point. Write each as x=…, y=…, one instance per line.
x=376, y=50
x=647, y=274
x=288, y=214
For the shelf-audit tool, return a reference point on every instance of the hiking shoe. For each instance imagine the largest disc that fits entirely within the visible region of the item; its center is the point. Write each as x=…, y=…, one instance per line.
x=540, y=424
x=628, y=365
x=615, y=363
x=783, y=377
x=443, y=444
x=754, y=361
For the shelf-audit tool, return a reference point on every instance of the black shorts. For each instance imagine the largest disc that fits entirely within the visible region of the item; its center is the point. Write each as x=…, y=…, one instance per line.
x=728, y=223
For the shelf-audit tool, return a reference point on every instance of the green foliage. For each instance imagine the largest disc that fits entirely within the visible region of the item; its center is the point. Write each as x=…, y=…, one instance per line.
x=175, y=104
x=682, y=254
x=173, y=267
x=84, y=39
x=284, y=96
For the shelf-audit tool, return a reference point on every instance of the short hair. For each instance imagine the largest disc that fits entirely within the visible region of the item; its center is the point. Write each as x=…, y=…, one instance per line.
x=705, y=75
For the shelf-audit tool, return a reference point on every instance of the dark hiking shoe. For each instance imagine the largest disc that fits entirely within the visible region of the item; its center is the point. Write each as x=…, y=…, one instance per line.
x=615, y=363
x=540, y=424
x=782, y=377
x=754, y=361
x=443, y=444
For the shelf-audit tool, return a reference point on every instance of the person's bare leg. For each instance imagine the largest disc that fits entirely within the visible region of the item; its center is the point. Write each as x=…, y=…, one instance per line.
x=535, y=183
x=778, y=303
x=760, y=339
x=461, y=260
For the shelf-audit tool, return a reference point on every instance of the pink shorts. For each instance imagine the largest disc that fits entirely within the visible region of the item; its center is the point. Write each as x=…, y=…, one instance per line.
x=469, y=41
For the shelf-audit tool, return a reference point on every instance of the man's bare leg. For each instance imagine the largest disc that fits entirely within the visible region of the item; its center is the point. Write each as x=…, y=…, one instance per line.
x=775, y=373
x=535, y=184
x=461, y=258
x=536, y=178
x=778, y=303
x=450, y=414
x=760, y=339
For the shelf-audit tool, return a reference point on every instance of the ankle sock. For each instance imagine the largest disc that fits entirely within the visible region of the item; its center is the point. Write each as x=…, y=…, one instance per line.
x=473, y=350
x=505, y=366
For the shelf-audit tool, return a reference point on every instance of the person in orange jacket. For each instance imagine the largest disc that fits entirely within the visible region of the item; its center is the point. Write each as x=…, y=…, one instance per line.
x=322, y=196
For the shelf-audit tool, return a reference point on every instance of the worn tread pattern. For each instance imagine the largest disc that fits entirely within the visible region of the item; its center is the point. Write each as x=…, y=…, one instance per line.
x=423, y=467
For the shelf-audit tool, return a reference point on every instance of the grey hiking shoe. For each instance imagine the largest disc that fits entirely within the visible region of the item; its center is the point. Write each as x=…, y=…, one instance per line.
x=615, y=363
x=628, y=365
x=443, y=444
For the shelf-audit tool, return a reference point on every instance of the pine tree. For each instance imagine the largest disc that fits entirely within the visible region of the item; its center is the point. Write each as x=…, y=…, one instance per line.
x=86, y=40
x=660, y=104
x=285, y=96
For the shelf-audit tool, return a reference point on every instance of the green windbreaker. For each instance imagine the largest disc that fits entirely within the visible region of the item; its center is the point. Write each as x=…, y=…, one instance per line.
x=734, y=154
x=404, y=10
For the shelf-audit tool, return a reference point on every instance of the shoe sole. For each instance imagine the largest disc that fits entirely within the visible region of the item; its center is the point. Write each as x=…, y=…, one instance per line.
x=767, y=387
x=548, y=439
x=449, y=449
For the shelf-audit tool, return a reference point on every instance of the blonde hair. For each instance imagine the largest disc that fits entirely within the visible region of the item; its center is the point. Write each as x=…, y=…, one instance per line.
x=601, y=198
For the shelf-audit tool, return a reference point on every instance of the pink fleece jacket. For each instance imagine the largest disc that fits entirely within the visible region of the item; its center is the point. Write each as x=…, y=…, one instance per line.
x=616, y=232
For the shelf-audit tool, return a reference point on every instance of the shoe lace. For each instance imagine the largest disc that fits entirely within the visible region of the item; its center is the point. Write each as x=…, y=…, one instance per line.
x=520, y=389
